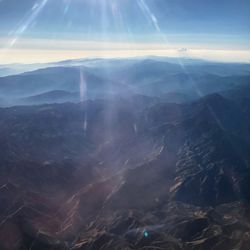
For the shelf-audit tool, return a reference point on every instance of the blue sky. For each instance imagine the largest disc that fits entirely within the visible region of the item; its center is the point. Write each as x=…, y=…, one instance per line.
x=192, y=24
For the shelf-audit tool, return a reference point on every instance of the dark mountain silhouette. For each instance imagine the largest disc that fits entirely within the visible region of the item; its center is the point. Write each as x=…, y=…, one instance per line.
x=109, y=175
x=138, y=155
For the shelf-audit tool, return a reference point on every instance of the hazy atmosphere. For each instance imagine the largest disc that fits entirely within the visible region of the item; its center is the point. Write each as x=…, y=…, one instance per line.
x=46, y=30
x=124, y=124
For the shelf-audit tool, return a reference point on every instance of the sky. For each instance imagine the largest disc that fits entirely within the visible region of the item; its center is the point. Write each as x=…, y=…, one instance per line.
x=34, y=31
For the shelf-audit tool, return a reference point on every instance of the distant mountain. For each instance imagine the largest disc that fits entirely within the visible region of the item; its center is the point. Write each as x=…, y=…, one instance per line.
x=176, y=97
x=54, y=79
x=55, y=96
x=5, y=71
x=99, y=78
x=188, y=64
x=238, y=93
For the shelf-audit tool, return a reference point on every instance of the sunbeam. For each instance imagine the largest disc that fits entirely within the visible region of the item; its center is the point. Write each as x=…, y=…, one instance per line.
x=17, y=33
x=124, y=124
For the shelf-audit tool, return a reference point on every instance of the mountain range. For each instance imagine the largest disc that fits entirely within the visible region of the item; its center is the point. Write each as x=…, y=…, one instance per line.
x=126, y=154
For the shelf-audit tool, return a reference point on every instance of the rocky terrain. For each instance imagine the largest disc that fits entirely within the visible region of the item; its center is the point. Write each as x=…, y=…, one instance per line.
x=128, y=172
